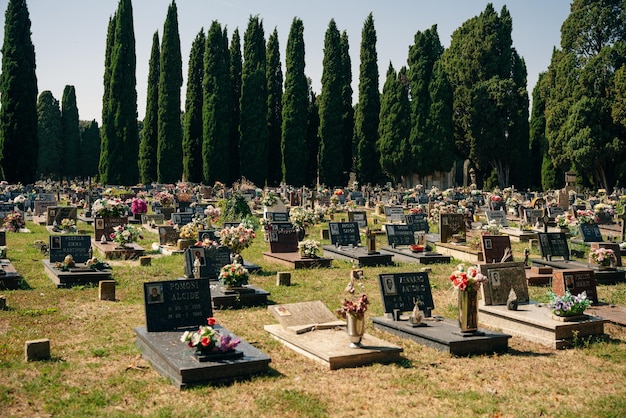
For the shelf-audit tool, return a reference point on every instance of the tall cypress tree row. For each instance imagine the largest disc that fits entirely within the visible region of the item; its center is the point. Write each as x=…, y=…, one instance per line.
x=107, y=124
x=217, y=109
x=274, y=75
x=253, y=122
x=539, y=157
x=170, y=150
x=18, y=98
x=368, y=110
x=70, y=133
x=331, y=111
x=122, y=136
x=295, y=109
x=395, y=126
x=192, y=130
x=150, y=132
x=347, y=114
x=312, y=138
x=236, y=64
x=49, y=163
x=90, y=148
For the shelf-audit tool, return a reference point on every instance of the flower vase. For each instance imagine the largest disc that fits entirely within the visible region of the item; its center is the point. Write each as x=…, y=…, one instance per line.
x=468, y=311
x=356, y=329
x=300, y=232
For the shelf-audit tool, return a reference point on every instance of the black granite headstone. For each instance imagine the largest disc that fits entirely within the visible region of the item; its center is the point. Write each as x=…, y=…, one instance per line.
x=590, y=232
x=417, y=221
x=211, y=260
x=5, y=209
x=553, y=244
x=283, y=237
x=359, y=217
x=104, y=226
x=400, y=234
x=182, y=218
x=344, y=233
x=277, y=216
x=58, y=213
x=177, y=303
x=402, y=291
x=450, y=224
x=78, y=246
x=211, y=234
x=3, y=237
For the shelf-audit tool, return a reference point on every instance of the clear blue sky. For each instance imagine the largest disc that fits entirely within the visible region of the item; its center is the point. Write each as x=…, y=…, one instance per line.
x=69, y=35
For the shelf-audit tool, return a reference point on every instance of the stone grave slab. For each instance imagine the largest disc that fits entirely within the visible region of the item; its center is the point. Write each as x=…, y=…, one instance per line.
x=313, y=331
x=501, y=278
x=399, y=234
x=394, y=214
x=498, y=216
x=104, y=226
x=590, y=232
x=460, y=251
x=157, y=219
x=344, y=233
x=41, y=206
x=10, y=279
x=360, y=217
x=210, y=259
x=554, y=211
x=58, y=213
x=494, y=248
x=418, y=221
x=5, y=209
x=111, y=251
x=282, y=237
x=450, y=224
x=534, y=322
x=175, y=306
x=296, y=261
x=277, y=216
x=358, y=256
x=222, y=298
x=406, y=255
x=533, y=216
x=79, y=247
x=182, y=218
x=553, y=244
x=168, y=235
x=401, y=292
x=576, y=281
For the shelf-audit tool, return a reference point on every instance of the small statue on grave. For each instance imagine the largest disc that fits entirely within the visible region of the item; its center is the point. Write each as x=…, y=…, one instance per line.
x=417, y=316
x=511, y=302
x=526, y=255
x=370, y=241
x=103, y=239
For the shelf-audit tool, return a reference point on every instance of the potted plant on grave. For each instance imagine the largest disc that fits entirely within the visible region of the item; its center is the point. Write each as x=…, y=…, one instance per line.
x=568, y=305
x=14, y=221
x=188, y=235
x=109, y=208
x=164, y=204
x=68, y=225
x=138, y=207
x=212, y=215
x=353, y=311
x=237, y=238
x=308, y=248
x=208, y=343
x=124, y=235
x=467, y=284
x=605, y=258
x=233, y=276
x=586, y=217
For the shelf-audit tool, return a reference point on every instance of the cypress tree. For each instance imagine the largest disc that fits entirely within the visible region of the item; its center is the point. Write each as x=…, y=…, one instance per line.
x=394, y=127
x=90, y=148
x=368, y=110
x=150, y=131
x=312, y=138
x=253, y=122
x=217, y=109
x=18, y=98
x=274, y=75
x=236, y=64
x=347, y=114
x=331, y=111
x=122, y=136
x=107, y=124
x=49, y=163
x=70, y=133
x=170, y=151
x=295, y=109
x=192, y=130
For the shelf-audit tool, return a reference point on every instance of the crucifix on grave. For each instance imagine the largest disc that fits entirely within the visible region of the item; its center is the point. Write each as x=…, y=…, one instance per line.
x=545, y=217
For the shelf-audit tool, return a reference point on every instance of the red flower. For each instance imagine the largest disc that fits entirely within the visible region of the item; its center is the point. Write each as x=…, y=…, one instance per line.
x=211, y=321
x=205, y=341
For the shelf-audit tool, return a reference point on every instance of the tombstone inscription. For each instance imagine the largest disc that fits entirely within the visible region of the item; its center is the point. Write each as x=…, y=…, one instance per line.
x=104, y=226
x=450, y=224
x=58, y=213
x=282, y=237
x=400, y=234
x=182, y=218
x=205, y=262
x=402, y=291
x=494, y=248
x=553, y=244
x=590, y=232
x=417, y=221
x=498, y=216
x=576, y=281
x=344, y=233
x=359, y=217
x=501, y=278
x=78, y=246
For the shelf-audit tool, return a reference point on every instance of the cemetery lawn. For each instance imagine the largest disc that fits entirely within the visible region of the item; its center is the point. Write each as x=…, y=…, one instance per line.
x=96, y=370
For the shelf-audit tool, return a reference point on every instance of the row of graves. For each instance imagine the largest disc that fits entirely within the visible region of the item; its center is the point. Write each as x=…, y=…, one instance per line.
x=9, y=277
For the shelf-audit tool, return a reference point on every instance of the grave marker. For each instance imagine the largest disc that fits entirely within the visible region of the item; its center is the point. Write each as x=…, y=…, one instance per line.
x=553, y=244
x=494, y=247
x=210, y=259
x=417, y=221
x=58, y=213
x=451, y=224
x=394, y=213
x=499, y=216
x=305, y=316
x=402, y=291
x=576, y=281
x=168, y=235
x=400, y=234
x=610, y=246
x=344, y=233
x=153, y=217
x=41, y=206
x=5, y=209
x=282, y=237
x=3, y=237
x=501, y=278
x=182, y=218
x=104, y=226
x=277, y=216
x=590, y=232
x=78, y=246
x=532, y=216
x=359, y=217
x=176, y=303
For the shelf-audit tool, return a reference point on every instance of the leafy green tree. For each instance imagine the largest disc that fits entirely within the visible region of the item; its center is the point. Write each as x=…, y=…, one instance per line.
x=367, y=119
x=193, y=128
x=89, y=148
x=18, y=98
x=331, y=111
x=395, y=126
x=295, y=110
x=49, y=163
x=235, y=87
x=253, y=122
x=169, y=149
x=121, y=141
x=347, y=114
x=150, y=131
x=274, y=75
x=70, y=133
x=217, y=108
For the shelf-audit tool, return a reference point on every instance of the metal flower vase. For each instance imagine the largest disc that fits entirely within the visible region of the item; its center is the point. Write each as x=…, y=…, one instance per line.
x=468, y=310
x=356, y=329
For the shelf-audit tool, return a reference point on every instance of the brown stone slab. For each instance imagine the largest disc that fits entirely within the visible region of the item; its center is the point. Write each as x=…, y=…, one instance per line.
x=330, y=347
x=358, y=256
x=112, y=252
x=295, y=261
x=251, y=296
x=460, y=252
x=613, y=313
x=65, y=279
x=304, y=316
